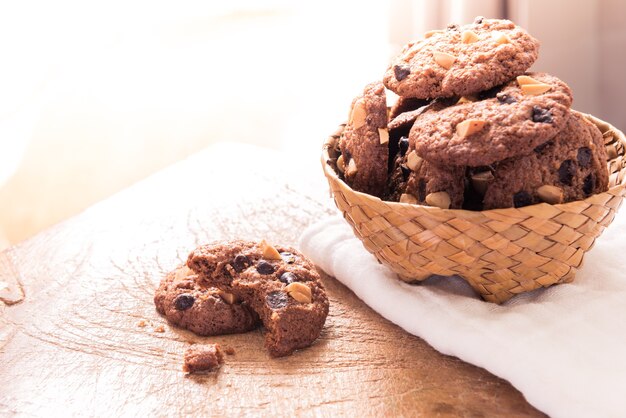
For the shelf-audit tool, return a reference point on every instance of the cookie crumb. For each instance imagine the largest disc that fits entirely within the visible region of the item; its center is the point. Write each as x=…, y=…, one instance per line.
x=160, y=328
x=228, y=350
x=141, y=324
x=203, y=358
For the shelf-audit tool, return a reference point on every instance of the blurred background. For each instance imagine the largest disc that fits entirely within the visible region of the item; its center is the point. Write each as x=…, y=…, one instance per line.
x=96, y=96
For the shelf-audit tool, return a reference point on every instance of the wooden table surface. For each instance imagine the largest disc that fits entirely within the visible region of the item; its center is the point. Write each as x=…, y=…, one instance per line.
x=73, y=296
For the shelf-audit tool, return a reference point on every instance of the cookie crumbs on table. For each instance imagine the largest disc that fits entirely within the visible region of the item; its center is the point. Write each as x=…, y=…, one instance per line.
x=203, y=358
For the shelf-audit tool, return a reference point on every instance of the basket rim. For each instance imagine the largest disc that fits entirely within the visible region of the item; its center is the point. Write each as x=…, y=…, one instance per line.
x=604, y=126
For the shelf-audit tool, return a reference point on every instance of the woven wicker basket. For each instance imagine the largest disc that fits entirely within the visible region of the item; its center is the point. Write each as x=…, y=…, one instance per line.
x=499, y=252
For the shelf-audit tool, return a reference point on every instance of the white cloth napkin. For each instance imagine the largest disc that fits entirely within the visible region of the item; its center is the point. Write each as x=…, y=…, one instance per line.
x=563, y=347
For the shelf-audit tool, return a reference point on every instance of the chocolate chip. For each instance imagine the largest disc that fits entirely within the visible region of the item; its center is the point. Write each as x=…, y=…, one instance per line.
x=288, y=277
x=277, y=299
x=566, y=172
x=584, y=156
x=521, y=199
x=288, y=257
x=401, y=71
x=539, y=148
x=506, y=98
x=421, y=190
x=240, y=263
x=443, y=102
x=489, y=94
x=541, y=115
x=406, y=171
x=479, y=20
x=226, y=272
x=184, y=302
x=452, y=27
x=589, y=184
x=404, y=145
x=264, y=267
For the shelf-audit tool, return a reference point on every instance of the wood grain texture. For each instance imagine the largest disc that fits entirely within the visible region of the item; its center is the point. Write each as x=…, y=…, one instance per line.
x=69, y=335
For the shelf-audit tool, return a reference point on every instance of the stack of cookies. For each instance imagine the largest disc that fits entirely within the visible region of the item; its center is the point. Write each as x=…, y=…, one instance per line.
x=471, y=128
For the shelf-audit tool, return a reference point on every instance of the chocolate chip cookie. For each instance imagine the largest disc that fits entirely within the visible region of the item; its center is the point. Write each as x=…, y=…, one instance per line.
x=279, y=283
x=462, y=60
x=414, y=180
x=504, y=122
x=190, y=303
x=363, y=145
x=571, y=166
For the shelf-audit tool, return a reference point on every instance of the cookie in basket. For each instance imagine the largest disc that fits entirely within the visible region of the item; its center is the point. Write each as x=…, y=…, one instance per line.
x=571, y=166
x=462, y=60
x=503, y=122
x=417, y=181
x=364, y=143
x=278, y=283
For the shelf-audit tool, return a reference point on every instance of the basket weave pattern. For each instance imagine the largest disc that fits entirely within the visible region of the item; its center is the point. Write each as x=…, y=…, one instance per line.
x=499, y=252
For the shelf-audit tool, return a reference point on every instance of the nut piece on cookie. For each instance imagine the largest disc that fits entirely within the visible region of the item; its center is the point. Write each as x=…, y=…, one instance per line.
x=299, y=291
x=443, y=59
x=462, y=60
x=550, y=194
x=364, y=143
x=203, y=358
x=269, y=252
x=438, y=199
x=500, y=38
x=532, y=87
x=535, y=89
x=469, y=37
x=383, y=134
x=408, y=198
x=287, y=294
x=358, y=114
x=413, y=161
x=469, y=127
x=188, y=302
